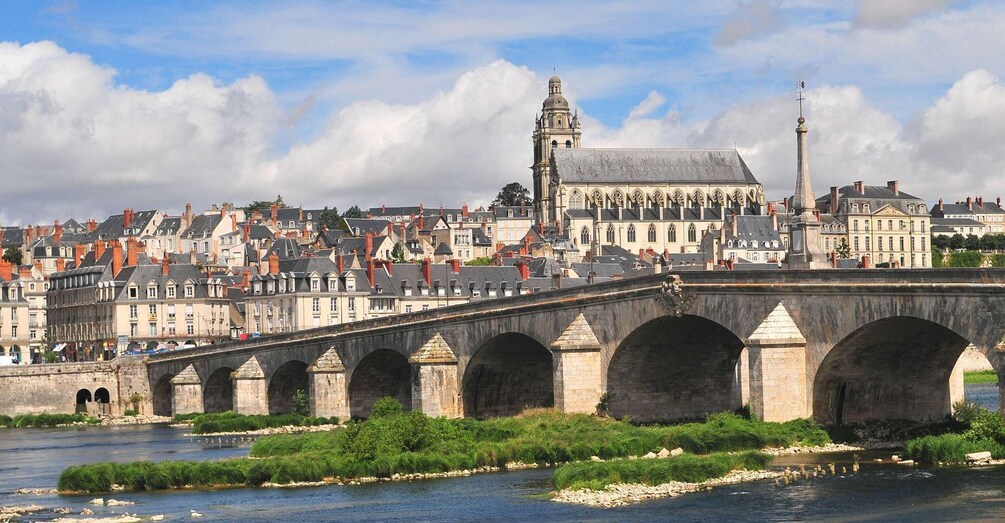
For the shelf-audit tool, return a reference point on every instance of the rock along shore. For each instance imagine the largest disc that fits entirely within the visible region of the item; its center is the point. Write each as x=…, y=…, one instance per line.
x=623, y=494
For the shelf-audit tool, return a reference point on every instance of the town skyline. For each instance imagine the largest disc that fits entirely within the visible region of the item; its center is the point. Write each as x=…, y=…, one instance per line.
x=113, y=110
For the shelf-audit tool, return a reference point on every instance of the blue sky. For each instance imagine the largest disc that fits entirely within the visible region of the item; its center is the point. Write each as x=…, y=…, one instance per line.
x=320, y=100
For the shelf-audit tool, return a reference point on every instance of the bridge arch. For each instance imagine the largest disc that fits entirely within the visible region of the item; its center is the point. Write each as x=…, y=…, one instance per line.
x=162, y=396
x=101, y=395
x=218, y=393
x=289, y=378
x=83, y=397
x=674, y=368
x=892, y=368
x=507, y=374
x=381, y=373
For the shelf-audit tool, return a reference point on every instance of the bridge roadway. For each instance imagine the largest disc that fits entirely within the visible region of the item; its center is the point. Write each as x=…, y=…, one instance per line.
x=837, y=345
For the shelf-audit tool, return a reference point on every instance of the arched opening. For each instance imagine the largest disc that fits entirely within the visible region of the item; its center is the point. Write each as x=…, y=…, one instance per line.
x=980, y=378
x=286, y=381
x=83, y=397
x=102, y=396
x=675, y=368
x=218, y=394
x=510, y=373
x=151, y=345
x=381, y=373
x=894, y=368
x=162, y=396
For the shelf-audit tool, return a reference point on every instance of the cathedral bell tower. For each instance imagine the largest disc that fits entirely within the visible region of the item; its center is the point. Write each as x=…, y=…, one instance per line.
x=556, y=127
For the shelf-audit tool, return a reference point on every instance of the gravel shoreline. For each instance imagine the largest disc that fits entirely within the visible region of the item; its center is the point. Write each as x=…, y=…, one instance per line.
x=623, y=494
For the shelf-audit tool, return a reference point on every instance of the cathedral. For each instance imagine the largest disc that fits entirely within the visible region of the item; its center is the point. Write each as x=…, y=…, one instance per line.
x=658, y=200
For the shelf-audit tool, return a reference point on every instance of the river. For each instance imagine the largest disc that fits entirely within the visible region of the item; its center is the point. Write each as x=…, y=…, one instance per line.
x=880, y=492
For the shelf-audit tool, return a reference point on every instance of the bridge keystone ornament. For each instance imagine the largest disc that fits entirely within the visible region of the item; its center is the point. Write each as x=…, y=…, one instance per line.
x=435, y=385
x=577, y=367
x=675, y=300
x=329, y=387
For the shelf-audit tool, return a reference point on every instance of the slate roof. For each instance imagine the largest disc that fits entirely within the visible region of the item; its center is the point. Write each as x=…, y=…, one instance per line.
x=361, y=226
x=168, y=226
x=956, y=222
x=12, y=237
x=651, y=166
x=961, y=208
x=752, y=228
x=285, y=249
x=202, y=226
x=113, y=227
x=629, y=214
x=873, y=192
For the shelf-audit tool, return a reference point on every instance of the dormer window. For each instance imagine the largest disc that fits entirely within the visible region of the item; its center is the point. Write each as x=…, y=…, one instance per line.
x=189, y=290
x=134, y=292
x=350, y=284
x=152, y=292
x=293, y=224
x=315, y=284
x=170, y=290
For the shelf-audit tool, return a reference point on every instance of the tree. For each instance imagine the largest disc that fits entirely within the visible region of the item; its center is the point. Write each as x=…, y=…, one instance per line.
x=957, y=241
x=264, y=206
x=843, y=250
x=398, y=253
x=513, y=194
x=329, y=218
x=353, y=212
x=973, y=243
x=13, y=255
x=940, y=242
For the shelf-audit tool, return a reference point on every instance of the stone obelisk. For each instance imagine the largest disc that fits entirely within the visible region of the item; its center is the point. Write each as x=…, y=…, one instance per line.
x=805, y=245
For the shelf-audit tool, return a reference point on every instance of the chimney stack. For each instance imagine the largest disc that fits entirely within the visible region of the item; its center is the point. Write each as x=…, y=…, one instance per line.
x=369, y=271
x=834, y=200
x=247, y=231
x=456, y=265
x=859, y=187
x=999, y=201
x=464, y=210
x=166, y=264
x=389, y=267
x=273, y=263
x=427, y=273
x=57, y=232
x=116, y=257
x=524, y=270
x=866, y=262
x=274, y=212
x=6, y=270
x=60, y=264
x=91, y=225
x=133, y=251
x=970, y=203
x=942, y=207
x=894, y=187
x=422, y=222
x=734, y=226
x=834, y=259
x=369, y=245
x=99, y=250
x=79, y=251
x=339, y=263
x=127, y=217
x=24, y=272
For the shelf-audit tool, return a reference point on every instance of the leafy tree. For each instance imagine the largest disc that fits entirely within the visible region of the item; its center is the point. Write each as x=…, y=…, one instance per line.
x=973, y=243
x=513, y=194
x=13, y=255
x=966, y=259
x=957, y=241
x=353, y=212
x=479, y=262
x=843, y=249
x=940, y=242
x=938, y=259
x=329, y=218
x=386, y=406
x=264, y=206
x=398, y=253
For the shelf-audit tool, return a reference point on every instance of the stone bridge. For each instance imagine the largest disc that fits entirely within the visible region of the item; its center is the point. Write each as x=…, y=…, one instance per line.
x=837, y=345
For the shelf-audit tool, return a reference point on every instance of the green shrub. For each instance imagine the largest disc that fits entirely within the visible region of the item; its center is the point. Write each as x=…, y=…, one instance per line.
x=47, y=420
x=129, y=412
x=986, y=425
x=965, y=412
x=981, y=376
x=234, y=422
x=386, y=406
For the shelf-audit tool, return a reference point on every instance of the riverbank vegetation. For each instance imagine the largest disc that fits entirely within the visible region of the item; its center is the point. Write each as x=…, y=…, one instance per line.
x=980, y=376
x=982, y=430
x=234, y=422
x=392, y=442
x=688, y=468
x=45, y=420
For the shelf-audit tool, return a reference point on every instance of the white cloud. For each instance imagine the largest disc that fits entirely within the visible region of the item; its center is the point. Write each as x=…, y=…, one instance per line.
x=894, y=13
x=750, y=19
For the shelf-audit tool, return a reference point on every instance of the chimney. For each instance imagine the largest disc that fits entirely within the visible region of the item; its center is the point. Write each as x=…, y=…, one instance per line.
x=389, y=267
x=274, y=212
x=116, y=258
x=500, y=246
x=734, y=226
x=99, y=250
x=558, y=227
x=774, y=220
x=420, y=209
x=273, y=263
x=526, y=245
x=859, y=187
x=556, y=280
x=60, y=264
x=247, y=231
x=300, y=214
x=127, y=217
x=894, y=187
x=999, y=201
x=132, y=252
x=456, y=265
x=464, y=210
x=834, y=259
x=166, y=265
x=383, y=210
x=524, y=270
x=422, y=223
x=57, y=232
x=233, y=222
x=24, y=272
x=427, y=273
x=942, y=207
x=866, y=262
x=246, y=279
x=369, y=271
x=970, y=203
x=187, y=217
x=79, y=251
x=339, y=263
x=369, y=245
x=91, y=225
x=6, y=270
x=834, y=200
x=980, y=201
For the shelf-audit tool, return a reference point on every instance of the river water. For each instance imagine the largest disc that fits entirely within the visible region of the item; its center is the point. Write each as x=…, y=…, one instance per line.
x=880, y=492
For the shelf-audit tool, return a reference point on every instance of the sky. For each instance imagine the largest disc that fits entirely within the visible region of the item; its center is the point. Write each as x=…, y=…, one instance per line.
x=151, y=105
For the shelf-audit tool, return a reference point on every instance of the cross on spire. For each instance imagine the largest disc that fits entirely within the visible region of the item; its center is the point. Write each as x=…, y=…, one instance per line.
x=800, y=86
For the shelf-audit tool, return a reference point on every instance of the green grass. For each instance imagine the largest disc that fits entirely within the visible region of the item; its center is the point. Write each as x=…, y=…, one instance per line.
x=45, y=420
x=980, y=376
x=686, y=467
x=411, y=442
x=983, y=430
x=234, y=422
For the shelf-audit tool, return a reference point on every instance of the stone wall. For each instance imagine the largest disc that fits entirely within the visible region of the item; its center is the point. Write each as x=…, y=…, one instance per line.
x=34, y=389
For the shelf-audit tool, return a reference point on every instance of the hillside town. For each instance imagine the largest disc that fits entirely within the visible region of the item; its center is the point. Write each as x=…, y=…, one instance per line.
x=144, y=281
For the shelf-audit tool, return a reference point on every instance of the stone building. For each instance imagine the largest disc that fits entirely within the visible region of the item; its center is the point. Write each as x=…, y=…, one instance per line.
x=14, y=340
x=883, y=222
x=973, y=216
x=556, y=127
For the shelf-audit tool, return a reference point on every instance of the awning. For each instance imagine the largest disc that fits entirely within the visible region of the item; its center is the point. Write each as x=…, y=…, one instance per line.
x=59, y=347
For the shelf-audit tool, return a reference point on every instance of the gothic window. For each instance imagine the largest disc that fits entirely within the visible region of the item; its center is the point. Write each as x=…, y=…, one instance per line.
x=568, y=144
x=638, y=198
x=597, y=198
x=672, y=234
x=692, y=234
x=652, y=233
x=631, y=234
x=697, y=198
x=610, y=234
x=678, y=198
x=617, y=198
x=584, y=236
x=576, y=202
x=718, y=198
x=738, y=197
x=657, y=199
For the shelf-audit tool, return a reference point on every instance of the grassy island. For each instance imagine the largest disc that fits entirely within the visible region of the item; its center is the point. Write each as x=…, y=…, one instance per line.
x=392, y=442
x=981, y=430
x=234, y=422
x=45, y=420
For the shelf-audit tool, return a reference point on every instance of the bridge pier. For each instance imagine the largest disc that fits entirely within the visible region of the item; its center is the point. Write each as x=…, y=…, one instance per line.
x=186, y=392
x=251, y=392
x=329, y=388
x=777, y=355
x=435, y=385
x=577, y=368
